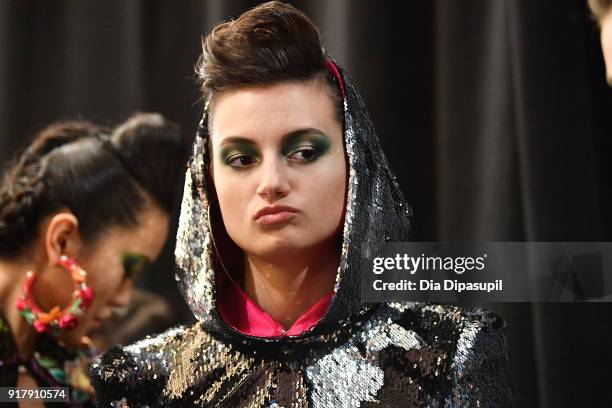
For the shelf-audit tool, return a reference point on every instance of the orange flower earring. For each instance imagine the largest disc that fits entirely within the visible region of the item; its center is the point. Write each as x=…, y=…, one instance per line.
x=57, y=318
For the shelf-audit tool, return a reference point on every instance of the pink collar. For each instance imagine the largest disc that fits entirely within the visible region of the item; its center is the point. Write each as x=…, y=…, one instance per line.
x=244, y=315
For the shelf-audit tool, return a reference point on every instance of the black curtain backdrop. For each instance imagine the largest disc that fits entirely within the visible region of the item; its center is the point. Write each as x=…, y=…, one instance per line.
x=495, y=117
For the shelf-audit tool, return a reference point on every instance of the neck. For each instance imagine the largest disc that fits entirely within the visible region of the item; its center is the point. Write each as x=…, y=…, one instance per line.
x=12, y=277
x=287, y=288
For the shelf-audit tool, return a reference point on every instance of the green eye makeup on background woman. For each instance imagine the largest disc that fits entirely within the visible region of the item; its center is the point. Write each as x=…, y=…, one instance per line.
x=134, y=264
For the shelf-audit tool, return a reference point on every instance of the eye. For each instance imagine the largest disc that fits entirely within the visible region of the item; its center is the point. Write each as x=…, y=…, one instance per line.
x=241, y=161
x=305, y=154
x=134, y=265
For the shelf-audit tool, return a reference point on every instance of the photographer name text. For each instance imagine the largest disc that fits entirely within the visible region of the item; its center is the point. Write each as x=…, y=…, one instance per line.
x=431, y=285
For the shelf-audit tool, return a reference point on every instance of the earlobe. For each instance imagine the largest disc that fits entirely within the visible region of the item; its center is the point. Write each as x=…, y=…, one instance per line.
x=61, y=236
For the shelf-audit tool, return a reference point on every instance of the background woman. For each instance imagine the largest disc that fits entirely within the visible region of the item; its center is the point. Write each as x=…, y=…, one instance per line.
x=287, y=186
x=82, y=212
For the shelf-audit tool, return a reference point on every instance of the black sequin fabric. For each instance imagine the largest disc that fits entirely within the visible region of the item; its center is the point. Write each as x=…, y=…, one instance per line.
x=358, y=355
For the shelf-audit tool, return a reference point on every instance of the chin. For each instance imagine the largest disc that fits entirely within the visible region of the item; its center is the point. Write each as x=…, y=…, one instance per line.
x=73, y=338
x=84, y=328
x=275, y=247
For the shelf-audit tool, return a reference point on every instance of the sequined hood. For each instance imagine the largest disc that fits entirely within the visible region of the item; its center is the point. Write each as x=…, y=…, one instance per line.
x=375, y=212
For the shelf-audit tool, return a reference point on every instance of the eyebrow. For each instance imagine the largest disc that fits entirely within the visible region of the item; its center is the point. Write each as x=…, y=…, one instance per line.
x=288, y=136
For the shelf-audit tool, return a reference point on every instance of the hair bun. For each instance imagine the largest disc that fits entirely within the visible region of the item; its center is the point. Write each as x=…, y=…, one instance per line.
x=143, y=144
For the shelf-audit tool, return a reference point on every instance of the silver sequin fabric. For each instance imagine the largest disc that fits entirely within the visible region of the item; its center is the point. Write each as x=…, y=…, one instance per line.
x=358, y=355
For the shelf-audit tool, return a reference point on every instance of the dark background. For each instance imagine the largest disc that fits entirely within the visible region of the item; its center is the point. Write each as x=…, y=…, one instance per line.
x=494, y=114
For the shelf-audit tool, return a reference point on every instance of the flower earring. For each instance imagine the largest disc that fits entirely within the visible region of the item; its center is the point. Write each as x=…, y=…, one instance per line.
x=57, y=318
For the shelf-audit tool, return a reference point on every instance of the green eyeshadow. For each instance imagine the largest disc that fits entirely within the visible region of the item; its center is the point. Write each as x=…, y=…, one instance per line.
x=134, y=264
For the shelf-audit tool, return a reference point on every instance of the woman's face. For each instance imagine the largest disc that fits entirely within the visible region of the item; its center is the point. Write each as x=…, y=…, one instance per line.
x=112, y=264
x=279, y=167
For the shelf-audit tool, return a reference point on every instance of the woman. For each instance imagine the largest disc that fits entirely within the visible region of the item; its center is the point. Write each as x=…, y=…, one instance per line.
x=287, y=186
x=82, y=212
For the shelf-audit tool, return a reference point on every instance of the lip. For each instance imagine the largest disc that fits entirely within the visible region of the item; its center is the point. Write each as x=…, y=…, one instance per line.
x=275, y=214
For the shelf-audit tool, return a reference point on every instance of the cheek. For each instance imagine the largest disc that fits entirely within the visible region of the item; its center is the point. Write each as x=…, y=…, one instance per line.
x=606, y=43
x=326, y=192
x=234, y=194
x=105, y=277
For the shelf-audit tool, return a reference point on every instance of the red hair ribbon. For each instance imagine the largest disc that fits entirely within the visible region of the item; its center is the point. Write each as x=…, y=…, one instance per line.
x=336, y=73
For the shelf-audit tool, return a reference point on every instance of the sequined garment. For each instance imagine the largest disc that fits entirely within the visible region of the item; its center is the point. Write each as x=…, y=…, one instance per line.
x=358, y=355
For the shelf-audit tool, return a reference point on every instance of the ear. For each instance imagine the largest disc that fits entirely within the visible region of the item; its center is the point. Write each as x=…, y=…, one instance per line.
x=61, y=236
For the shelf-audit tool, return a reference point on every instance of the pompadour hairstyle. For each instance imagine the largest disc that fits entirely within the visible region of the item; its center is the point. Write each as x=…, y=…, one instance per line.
x=271, y=43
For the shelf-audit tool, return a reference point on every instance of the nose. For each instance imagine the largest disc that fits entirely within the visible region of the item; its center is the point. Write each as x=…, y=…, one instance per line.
x=124, y=294
x=274, y=180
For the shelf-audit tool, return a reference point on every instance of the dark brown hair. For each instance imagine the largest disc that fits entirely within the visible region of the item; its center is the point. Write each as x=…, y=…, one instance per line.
x=104, y=176
x=270, y=43
x=600, y=8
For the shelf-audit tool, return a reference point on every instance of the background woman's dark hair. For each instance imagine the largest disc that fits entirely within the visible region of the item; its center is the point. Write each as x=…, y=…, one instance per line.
x=270, y=43
x=104, y=176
